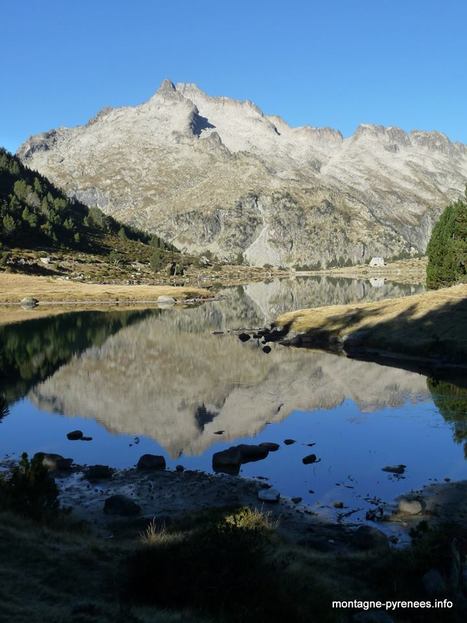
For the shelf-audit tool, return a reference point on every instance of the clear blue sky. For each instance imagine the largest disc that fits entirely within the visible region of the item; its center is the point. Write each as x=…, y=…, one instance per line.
x=325, y=63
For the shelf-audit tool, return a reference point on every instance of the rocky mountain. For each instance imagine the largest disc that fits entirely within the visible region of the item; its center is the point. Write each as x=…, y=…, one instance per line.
x=215, y=173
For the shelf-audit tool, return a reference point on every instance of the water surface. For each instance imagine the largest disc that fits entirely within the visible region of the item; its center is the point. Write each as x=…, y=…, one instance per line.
x=169, y=381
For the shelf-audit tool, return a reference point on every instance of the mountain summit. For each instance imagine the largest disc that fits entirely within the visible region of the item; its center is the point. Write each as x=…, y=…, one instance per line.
x=216, y=173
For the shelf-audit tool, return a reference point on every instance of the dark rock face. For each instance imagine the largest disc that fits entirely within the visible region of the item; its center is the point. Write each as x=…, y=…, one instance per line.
x=99, y=472
x=121, y=505
x=229, y=461
x=55, y=462
x=74, y=435
x=151, y=462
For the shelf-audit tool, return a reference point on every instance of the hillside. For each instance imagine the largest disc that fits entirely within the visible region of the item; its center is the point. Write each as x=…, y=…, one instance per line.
x=214, y=173
x=36, y=215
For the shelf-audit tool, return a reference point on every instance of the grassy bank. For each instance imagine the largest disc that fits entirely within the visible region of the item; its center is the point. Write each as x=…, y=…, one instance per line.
x=428, y=326
x=48, y=290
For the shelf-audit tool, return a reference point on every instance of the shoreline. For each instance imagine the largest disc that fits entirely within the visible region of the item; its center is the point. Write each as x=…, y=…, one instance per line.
x=421, y=330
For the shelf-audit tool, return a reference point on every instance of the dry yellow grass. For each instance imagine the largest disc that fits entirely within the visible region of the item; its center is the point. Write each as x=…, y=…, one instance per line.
x=14, y=287
x=430, y=324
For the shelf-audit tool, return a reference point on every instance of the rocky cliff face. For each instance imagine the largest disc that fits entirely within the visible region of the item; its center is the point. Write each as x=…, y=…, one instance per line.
x=214, y=173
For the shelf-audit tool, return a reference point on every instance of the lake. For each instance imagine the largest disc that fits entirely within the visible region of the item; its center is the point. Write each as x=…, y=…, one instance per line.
x=176, y=382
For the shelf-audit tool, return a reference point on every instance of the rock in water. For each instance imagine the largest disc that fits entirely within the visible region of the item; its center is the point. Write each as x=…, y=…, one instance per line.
x=151, y=462
x=309, y=458
x=395, y=469
x=289, y=442
x=270, y=446
x=74, y=435
x=121, y=505
x=269, y=495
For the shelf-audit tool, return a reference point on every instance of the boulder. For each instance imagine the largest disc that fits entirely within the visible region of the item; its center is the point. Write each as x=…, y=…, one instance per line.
x=266, y=349
x=410, y=507
x=121, y=505
x=29, y=302
x=99, y=472
x=270, y=446
x=289, y=442
x=229, y=460
x=151, y=462
x=309, y=458
x=74, y=435
x=269, y=495
x=244, y=337
x=395, y=469
x=55, y=462
x=166, y=300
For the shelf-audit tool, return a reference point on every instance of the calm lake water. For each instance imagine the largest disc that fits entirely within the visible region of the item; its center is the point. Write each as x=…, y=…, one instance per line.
x=165, y=381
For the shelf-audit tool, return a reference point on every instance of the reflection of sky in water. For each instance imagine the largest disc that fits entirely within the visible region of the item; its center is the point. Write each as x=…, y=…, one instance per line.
x=352, y=447
x=150, y=372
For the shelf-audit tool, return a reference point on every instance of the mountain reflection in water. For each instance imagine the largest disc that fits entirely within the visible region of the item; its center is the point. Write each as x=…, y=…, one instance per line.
x=169, y=376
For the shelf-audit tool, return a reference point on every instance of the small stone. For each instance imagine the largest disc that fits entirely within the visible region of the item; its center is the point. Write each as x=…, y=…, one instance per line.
x=269, y=495
x=74, y=435
x=151, y=462
x=297, y=500
x=266, y=349
x=338, y=504
x=309, y=458
x=410, y=507
x=179, y=468
x=218, y=432
x=121, y=505
x=83, y=438
x=289, y=442
x=244, y=337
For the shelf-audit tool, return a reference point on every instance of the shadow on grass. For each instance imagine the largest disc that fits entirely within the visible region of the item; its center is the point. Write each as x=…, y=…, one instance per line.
x=428, y=343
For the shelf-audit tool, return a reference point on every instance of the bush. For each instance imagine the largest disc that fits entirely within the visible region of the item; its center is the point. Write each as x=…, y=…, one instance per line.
x=220, y=568
x=29, y=490
x=447, y=249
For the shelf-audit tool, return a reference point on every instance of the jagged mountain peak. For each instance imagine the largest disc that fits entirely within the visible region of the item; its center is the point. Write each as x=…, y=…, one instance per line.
x=217, y=173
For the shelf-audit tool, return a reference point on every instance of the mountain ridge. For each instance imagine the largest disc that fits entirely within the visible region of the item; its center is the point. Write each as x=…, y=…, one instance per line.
x=215, y=173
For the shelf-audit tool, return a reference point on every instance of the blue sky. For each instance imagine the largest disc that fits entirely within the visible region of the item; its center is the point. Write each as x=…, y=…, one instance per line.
x=331, y=63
